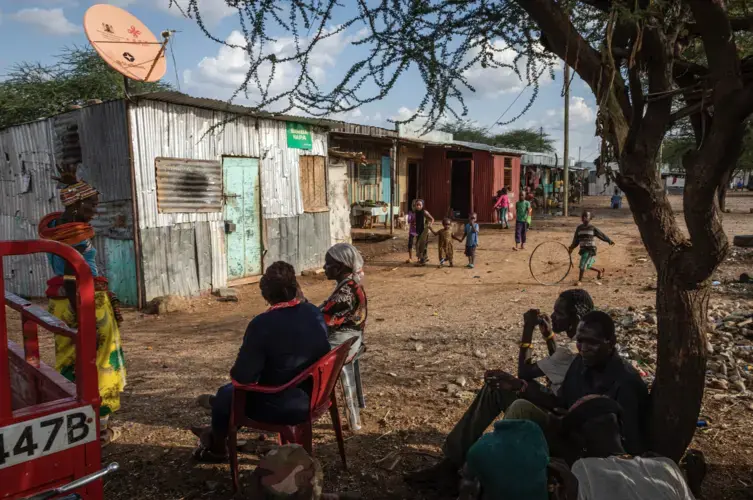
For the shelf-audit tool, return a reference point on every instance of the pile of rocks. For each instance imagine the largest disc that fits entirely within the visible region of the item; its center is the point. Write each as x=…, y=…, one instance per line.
x=730, y=343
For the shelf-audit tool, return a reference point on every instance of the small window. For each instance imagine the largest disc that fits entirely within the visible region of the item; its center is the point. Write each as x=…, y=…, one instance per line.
x=313, y=183
x=188, y=186
x=507, y=180
x=368, y=174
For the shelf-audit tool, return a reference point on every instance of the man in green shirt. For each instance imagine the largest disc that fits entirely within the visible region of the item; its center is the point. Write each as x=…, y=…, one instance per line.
x=522, y=212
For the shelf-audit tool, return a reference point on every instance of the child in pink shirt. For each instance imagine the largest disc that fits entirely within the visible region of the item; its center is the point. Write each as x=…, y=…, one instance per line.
x=503, y=206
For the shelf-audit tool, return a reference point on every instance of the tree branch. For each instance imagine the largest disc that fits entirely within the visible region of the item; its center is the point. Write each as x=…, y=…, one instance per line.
x=719, y=45
x=566, y=42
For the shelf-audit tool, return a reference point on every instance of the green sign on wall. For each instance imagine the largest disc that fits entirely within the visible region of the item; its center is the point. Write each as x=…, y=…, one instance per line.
x=299, y=136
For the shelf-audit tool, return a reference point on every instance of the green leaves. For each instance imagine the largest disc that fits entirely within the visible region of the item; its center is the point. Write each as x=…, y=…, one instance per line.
x=32, y=91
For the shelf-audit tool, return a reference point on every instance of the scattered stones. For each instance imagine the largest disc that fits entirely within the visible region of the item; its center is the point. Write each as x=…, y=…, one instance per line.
x=167, y=304
x=313, y=272
x=729, y=344
x=461, y=381
x=716, y=383
x=419, y=347
x=452, y=389
x=479, y=354
x=225, y=293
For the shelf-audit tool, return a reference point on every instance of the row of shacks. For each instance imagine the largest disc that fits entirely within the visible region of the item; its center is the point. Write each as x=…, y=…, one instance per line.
x=196, y=194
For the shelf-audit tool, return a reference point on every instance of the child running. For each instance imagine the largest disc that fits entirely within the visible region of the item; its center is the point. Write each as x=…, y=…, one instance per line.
x=502, y=206
x=584, y=236
x=471, y=240
x=522, y=212
x=411, y=217
x=446, y=251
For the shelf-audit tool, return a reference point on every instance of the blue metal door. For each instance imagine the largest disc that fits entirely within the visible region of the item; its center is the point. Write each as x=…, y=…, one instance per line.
x=386, y=191
x=242, y=208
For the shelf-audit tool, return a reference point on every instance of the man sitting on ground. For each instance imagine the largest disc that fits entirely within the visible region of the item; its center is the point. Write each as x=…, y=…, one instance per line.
x=598, y=369
x=605, y=470
x=571, y=306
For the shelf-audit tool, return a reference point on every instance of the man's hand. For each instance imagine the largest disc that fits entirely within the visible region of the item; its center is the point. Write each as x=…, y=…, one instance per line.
x=611, y=243
x=531, y=318
x=545, y=325
x=570, y=250
x=499, y=379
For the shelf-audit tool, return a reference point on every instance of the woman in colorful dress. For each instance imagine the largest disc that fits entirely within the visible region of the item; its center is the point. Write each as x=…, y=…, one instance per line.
x=72, y=227
x=345, y=314
x=346, y=308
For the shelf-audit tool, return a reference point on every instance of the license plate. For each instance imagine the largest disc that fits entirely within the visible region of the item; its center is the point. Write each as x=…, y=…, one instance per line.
x=46, y=435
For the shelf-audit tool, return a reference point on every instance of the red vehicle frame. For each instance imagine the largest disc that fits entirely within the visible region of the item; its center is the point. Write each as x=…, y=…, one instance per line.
x=29, y=389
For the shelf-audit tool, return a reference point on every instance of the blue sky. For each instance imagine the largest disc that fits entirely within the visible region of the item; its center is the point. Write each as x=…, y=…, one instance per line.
x=36, y=30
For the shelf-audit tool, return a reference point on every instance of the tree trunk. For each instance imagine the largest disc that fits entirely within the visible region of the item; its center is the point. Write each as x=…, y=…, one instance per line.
x=721, y=193
x=681, y=362
x=681, y=309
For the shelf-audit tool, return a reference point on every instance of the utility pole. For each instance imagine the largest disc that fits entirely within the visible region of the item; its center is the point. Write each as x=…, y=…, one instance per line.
x=567, y=139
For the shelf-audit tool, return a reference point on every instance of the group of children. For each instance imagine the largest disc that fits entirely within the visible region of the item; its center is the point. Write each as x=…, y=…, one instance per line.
x=420, y=221
x=419, y=224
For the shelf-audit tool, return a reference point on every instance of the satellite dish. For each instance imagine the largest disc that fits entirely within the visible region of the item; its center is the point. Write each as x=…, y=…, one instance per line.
x=125, y=43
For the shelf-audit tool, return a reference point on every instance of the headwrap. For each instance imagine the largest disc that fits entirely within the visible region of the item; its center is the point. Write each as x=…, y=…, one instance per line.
x=589, y=407
x=349, y=256
x=70, y=233
x=74, y=193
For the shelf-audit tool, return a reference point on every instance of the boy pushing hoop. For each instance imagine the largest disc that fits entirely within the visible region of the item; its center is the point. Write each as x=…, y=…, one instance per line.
x=584, y=236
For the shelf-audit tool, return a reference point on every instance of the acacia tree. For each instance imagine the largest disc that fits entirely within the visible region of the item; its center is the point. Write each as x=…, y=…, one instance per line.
x=649, y=64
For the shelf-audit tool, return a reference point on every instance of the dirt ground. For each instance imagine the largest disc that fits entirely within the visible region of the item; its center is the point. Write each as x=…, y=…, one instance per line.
x=449, y=313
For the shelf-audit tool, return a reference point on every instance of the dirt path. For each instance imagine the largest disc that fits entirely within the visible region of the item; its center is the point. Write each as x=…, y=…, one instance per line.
x=425, y=327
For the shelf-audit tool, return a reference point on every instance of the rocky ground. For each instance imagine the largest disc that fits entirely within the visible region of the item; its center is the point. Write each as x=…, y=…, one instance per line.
x=431, y=335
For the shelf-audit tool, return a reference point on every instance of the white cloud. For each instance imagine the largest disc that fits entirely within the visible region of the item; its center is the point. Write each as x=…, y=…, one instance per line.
x=50, y=21
x=222, y=74
x=580, y=112
x=492, y=82
x=356, y=113
x=211, y=11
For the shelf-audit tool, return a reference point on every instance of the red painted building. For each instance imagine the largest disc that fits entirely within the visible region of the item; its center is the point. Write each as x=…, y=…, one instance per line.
x=464, y=177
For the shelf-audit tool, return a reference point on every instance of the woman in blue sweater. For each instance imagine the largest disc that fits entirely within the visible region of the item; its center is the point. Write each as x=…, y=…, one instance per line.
x=278, y=345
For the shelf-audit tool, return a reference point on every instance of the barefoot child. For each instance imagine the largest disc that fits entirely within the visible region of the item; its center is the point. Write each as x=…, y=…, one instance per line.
x=422, y=231
x=411, y=232
x=522, y=212
x=502, y=206
x=584, y=236
x=446, y=251
x=471, y=240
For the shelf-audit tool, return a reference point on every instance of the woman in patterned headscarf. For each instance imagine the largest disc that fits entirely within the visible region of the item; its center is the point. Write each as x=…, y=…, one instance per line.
x=72, y=227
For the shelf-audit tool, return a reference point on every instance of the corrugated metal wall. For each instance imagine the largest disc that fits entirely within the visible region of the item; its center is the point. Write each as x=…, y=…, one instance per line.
x=184, y=253
x=27, y=155
x=483, y=185
x=434, y=181
x=302, y=241
x=280, y=185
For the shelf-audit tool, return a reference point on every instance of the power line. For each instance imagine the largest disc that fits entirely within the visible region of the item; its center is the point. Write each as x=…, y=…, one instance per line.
x=506, y=110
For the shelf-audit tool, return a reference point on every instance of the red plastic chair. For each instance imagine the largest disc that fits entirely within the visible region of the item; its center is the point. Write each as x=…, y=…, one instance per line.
x=324, y=375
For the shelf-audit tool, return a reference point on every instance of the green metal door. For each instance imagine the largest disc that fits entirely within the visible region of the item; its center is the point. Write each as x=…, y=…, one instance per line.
x=242, y=208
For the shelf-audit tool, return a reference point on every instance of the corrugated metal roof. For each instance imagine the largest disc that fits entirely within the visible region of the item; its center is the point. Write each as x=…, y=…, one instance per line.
x=228, y=107
x=492, y=149
x=542, y=159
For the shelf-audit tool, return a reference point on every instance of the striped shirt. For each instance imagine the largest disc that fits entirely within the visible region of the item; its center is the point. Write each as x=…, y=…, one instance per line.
x=584, y=236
